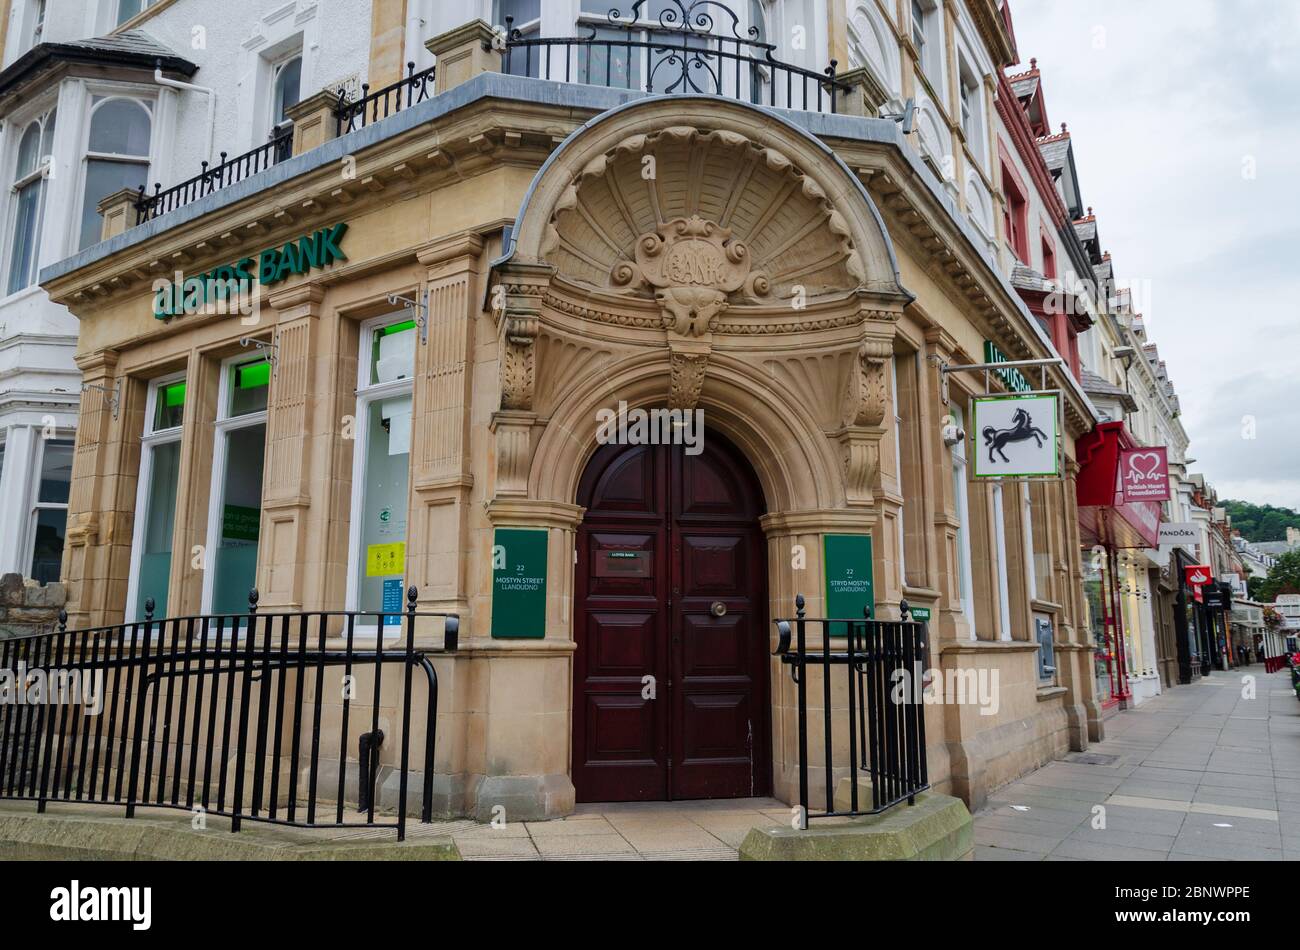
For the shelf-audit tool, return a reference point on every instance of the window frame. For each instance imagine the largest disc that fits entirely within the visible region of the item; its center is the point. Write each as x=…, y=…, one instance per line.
x=222, y=426
x=930, y=63
x=118, y=19
x=368, y=393
x=35, y=505
x=277, y=66
x=108, y=94
x=41, y=11
x=39, y=114
x=1016, y=213
x=150, y=440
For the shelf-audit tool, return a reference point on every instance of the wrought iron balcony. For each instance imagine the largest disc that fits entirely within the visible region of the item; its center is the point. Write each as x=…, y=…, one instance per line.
x=226, y=172
x=687, y=47
x=413, y=88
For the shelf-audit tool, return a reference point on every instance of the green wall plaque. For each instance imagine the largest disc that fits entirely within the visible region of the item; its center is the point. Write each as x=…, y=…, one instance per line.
x=921, y=614
x=849, y=585
x=519, y=584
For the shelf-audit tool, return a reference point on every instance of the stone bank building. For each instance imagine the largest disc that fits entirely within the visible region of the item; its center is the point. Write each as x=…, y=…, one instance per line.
x=456, y=276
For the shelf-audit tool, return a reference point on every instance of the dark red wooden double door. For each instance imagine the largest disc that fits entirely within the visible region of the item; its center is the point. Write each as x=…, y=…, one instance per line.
x=670, y=673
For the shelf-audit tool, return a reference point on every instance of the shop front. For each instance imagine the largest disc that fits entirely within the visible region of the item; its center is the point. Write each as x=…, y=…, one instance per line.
x=614, y=421
x=1115, y=534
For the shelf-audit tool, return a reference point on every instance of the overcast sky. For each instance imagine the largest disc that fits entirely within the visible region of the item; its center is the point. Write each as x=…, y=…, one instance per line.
x=1185, y=117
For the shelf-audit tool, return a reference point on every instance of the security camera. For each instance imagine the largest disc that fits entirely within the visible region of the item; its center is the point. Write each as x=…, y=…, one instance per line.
x=953, y=435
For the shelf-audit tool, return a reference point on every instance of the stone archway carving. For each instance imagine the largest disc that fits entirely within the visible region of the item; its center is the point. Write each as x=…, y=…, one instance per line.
x=682, y=229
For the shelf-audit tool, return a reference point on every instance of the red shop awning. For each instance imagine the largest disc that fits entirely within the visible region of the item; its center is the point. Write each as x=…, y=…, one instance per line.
x=1104, y=518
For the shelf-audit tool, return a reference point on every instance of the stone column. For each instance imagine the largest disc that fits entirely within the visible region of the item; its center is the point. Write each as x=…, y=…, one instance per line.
x=101, y=503
x=1077, y=675
x=520, y=731
x=293, y=423
x=441, y=480
x=192, y=552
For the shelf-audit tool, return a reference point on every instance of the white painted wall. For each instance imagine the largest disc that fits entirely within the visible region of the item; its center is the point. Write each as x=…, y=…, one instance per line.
x=234, y=44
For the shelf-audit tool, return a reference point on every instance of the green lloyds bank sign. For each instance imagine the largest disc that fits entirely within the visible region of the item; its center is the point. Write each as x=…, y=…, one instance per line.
x=235, y=280
x=1014, y=379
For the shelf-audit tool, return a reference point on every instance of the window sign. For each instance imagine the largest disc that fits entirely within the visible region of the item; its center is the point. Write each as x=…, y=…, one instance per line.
x=1016, y=436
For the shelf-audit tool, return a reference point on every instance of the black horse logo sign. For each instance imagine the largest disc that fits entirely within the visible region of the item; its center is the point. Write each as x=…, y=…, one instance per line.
x=1022, y=430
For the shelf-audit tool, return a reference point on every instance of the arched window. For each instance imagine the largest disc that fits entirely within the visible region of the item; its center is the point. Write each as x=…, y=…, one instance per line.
x=28, y=188
x=287, y=89
x=117, y=156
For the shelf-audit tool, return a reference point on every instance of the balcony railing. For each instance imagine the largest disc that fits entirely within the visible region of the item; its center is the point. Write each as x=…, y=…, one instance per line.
x=226, y=172
x=270, y=717
x=414, y=87
x=688, y=47
x=882, y=666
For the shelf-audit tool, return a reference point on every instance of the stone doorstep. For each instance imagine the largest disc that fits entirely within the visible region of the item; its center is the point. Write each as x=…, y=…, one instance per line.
x=936, y=828
x=80, y=835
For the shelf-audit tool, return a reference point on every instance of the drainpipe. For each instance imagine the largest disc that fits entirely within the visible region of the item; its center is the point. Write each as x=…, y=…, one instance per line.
x=162, y=80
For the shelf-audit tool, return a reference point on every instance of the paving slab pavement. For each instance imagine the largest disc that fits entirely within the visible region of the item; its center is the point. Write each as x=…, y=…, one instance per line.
x=1199, y=773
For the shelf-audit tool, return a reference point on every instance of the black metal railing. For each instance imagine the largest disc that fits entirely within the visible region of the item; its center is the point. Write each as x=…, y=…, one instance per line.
x=353, y=114
x=226, y=172
x=248, y=716
x=883, y=667
x=697, y=46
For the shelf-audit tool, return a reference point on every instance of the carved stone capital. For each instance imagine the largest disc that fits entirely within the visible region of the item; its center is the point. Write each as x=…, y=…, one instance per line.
x=866, y=399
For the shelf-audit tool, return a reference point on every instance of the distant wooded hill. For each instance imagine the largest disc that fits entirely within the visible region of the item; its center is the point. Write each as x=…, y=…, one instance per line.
x=1261, y=522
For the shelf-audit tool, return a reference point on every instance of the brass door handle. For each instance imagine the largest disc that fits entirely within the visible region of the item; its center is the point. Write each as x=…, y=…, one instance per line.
x=719, y=609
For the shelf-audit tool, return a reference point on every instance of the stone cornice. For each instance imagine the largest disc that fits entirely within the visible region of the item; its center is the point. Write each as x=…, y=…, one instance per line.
x=480, y=136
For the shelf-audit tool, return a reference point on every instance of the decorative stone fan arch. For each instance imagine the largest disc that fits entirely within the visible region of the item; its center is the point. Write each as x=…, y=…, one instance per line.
x=754, y=206
x=698, y=220
x=656, y=218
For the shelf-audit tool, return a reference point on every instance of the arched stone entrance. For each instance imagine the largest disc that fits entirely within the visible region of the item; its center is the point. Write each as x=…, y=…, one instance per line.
x=670, y=615
x=700, y=255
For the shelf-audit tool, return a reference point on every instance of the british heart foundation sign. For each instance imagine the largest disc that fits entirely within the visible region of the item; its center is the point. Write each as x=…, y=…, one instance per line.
x=1144, y=474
